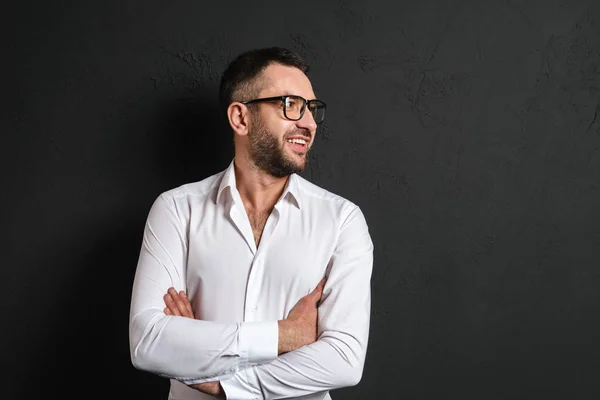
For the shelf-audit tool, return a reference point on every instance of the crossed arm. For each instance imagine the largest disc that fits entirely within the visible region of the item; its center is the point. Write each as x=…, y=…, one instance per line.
x=240, y=355
x=297, y=330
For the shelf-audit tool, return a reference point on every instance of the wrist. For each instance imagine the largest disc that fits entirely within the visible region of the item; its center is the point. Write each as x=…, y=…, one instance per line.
x=211, y=388
x=220, y=392
x=285, y=336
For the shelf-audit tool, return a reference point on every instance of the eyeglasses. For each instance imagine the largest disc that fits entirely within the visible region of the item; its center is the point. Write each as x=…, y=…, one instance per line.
x=294, y=107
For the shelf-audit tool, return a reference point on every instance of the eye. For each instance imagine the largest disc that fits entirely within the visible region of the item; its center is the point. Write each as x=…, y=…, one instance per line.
x=291, y=102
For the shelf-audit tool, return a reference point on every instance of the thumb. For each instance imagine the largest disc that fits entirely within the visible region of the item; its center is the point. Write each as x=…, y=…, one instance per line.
x=318, y=291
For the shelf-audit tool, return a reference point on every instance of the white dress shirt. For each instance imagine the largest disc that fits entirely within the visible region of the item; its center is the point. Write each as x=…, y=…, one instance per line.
x=198, y=238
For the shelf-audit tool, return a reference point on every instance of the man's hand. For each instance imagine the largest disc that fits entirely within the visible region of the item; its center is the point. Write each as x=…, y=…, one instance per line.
x=178, y=304
x=212, y=388
x=300, y=326
x=298, y=329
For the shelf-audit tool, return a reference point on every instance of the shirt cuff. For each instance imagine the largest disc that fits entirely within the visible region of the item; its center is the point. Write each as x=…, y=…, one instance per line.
x=243, y=386
x=258, y=343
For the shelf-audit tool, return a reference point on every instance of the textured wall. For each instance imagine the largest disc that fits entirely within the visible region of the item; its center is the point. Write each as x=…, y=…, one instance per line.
x=467, y=131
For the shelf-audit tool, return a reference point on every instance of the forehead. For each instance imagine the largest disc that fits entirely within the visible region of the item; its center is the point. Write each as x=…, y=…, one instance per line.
x=282, y=80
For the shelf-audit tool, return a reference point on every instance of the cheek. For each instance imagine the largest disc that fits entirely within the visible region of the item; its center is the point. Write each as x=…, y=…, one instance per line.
x=277, y=126
x=282, y=131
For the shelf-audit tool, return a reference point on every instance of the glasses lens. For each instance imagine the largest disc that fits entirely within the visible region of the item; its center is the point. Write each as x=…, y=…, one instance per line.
x=293, y=107
x=317, y=108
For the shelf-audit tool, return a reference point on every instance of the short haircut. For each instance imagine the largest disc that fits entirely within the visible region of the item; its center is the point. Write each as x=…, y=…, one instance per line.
x=241, y=79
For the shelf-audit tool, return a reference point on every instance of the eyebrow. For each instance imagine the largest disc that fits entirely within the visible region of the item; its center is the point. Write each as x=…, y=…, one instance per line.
x=293, y=94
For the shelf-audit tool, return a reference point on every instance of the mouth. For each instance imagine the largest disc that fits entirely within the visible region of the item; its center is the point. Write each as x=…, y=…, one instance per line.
x=298, y=144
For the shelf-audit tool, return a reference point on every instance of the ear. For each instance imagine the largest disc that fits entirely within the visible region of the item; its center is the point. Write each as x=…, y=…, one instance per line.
x=239, y=118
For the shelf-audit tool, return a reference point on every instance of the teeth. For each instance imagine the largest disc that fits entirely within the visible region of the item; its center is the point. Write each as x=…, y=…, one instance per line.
x=299, y=141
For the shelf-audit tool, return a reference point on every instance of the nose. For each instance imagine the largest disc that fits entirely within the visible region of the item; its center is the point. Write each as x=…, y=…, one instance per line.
x=307, y=122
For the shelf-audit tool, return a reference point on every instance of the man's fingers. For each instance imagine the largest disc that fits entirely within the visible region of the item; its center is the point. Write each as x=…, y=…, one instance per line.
x=179, y=302
x=319, y=288
x=188, y=305
x=318, y=291
x=170, y=303
x=322, y=283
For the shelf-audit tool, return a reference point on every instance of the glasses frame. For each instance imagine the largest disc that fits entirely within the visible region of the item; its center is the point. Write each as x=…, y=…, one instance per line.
x=307, y=103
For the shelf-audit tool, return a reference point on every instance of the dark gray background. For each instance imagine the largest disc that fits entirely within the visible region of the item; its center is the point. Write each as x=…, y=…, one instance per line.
x=468, y=132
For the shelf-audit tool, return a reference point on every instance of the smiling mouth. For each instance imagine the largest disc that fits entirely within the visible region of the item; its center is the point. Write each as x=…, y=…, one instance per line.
x=302, y=142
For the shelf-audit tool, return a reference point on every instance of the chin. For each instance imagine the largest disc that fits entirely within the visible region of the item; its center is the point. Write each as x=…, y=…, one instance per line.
x=295, y=166
x=301, y=166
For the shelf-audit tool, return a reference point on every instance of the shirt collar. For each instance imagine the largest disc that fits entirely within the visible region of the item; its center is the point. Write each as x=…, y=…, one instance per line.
x=227, y=181
x=291, y=191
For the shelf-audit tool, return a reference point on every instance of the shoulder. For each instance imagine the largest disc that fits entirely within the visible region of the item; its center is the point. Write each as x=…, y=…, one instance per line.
x=193, y=192
x=318, y=193
x=321, y=198
x=330, y=207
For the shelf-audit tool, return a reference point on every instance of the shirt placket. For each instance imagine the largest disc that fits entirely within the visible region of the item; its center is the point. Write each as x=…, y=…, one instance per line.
x=257, y=270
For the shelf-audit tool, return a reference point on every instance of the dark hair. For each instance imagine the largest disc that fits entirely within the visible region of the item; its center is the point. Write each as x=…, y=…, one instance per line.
x=239, y=79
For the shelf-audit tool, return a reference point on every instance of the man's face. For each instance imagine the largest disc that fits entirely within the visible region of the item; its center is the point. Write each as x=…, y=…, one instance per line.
x=279, y=146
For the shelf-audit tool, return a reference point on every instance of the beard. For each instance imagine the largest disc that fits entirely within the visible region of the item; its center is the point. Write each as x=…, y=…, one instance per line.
x=269, y=155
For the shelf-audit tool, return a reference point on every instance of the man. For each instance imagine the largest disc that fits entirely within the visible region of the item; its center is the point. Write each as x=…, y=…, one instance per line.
x=254, y=283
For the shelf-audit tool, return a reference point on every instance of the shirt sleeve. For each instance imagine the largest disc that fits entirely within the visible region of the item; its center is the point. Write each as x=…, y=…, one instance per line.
x=188, y=350
x=337, y=358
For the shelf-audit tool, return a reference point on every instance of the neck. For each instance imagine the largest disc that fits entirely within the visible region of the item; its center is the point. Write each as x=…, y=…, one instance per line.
x=259, y=190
